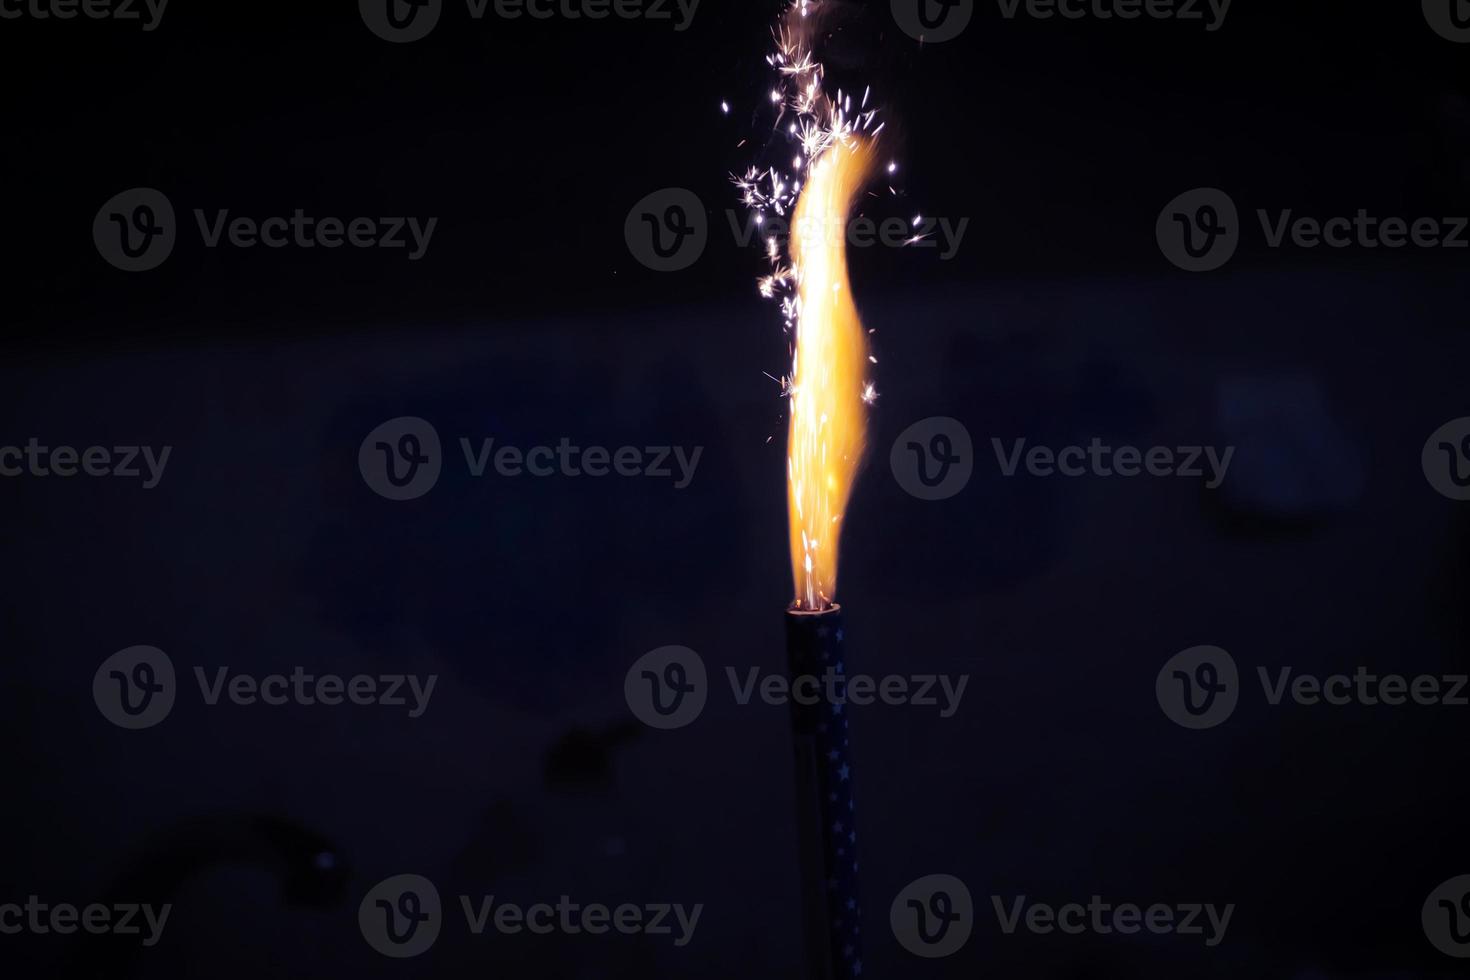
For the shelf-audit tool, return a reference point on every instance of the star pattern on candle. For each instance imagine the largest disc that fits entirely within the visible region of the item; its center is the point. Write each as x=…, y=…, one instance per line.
x=844, y=907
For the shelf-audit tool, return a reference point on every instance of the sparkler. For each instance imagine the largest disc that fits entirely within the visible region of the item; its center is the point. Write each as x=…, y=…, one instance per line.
x=834, y=155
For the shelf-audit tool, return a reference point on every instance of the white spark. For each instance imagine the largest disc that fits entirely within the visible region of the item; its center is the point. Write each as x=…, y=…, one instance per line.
x=815, y=121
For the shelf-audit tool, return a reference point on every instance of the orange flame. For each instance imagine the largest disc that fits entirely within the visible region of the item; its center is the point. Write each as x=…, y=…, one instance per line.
x=828, y=408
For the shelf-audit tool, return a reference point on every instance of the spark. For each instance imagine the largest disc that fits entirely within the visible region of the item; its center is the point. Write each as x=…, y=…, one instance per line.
x=831, y=136
x=804, y=66
x=826, y=435
x=814, y=120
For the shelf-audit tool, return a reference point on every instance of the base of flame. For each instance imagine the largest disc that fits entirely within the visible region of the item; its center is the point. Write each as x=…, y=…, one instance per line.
x=827, y=835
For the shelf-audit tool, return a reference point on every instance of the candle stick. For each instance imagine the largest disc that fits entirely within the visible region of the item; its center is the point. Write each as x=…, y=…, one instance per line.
x=824, y=451
x=826, y=828
x=835, y=153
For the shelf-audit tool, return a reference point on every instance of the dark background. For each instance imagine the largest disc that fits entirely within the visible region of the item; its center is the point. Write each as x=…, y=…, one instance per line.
x=1057, y=321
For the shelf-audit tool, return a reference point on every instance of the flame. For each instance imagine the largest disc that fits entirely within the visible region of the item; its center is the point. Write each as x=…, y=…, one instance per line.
x=833, y=145
x=829, y=389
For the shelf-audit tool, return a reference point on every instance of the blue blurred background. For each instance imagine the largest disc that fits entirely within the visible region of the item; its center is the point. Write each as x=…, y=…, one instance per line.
x=1057, y=321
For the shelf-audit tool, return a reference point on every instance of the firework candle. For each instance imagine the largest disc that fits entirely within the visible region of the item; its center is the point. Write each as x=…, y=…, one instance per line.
x=829, y=395
x=827, y=834
x=833, y=155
